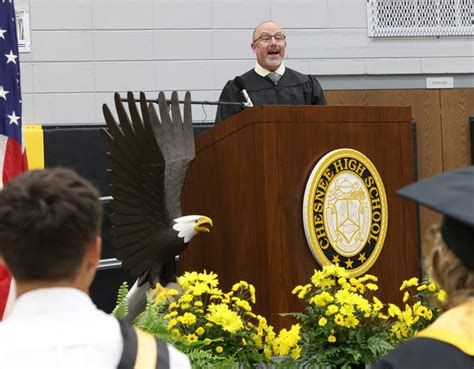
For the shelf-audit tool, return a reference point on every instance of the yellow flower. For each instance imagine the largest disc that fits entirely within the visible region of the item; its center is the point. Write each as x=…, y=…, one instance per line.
x=422, y=287
x=286, y=340
x=321, y=299
x=339, y=319
x=191, y=338
x=172, y=323
x=221, y=315
x=173, y=305
x=331, y=310
x=244, y=305
x=406, y=296
x=409, y=283
x=186, y=298
x=200, y=331
x=368, y=277
x=301, y=291
x=322, y=322
x=378, y=305
x=372, y=286
x=206, y=341
x=346, y=309
x=351, y=321
x=210, y=279
x=394, y=310
x=219, y=349
x=187, y=319
x=163, y=294
x=331, y=339
x=432, y=287
x=199, y=288
x=354, y=281
x=296, y=353
x=198, y=303
x=441, y=295
x=185, y=306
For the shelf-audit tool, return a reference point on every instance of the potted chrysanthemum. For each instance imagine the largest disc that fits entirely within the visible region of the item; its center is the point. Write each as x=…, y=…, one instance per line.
x=422, y=301
x=342, y=326
x=215, y=329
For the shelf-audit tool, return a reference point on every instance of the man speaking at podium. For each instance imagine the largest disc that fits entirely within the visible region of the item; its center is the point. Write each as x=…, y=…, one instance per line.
x=270, y=82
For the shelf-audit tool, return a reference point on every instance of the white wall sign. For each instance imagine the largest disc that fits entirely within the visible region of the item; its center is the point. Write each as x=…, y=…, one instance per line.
x=22, y=14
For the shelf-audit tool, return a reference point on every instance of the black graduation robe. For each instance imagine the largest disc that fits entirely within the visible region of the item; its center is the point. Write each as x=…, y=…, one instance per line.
x=293, y=88
x=447, y=344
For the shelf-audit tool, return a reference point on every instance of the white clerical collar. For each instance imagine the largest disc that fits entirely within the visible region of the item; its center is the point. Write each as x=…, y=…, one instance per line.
x=264, y=72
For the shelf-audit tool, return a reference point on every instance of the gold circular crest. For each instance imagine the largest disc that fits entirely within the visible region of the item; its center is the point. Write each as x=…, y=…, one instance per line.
x=345, y=211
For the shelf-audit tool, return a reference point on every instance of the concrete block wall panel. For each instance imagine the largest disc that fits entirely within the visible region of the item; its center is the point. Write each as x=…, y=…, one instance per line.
x=124, y=76
x=184, y=75
x=118, y=45
x=26, y=78
x=59, y=14
x=73, y=108
x=394, y=66
x=337, y=66
x=454, y=65
x=237, y=14
x=301, y=13
x=72, y=45
x=182, y=14
x=183, y=44
x=122, y=14
x=96, y=47
x=63, y=77
x=28, y=108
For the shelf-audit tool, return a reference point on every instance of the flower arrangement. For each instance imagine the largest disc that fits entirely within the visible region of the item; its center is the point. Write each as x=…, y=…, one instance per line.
x=342, y=325
x=215, y=329
x=420, y=308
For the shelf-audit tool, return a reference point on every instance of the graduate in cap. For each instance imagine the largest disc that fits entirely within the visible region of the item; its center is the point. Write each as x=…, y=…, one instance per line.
x=448, y=343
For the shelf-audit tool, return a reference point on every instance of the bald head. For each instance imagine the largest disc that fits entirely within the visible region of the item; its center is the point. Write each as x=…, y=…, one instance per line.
x=258, y=30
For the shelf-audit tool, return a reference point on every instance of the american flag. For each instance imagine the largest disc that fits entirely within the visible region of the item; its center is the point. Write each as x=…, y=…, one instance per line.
x=12, y=151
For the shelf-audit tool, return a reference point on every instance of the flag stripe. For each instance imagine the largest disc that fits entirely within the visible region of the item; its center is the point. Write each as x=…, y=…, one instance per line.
x=12, y=153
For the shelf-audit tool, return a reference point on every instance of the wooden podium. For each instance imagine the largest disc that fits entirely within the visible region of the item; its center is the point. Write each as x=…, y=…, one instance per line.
x=250, y=174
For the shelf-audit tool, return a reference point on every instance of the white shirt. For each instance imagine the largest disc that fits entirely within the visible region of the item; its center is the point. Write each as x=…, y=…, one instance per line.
x=265, y=72
x=62, y=328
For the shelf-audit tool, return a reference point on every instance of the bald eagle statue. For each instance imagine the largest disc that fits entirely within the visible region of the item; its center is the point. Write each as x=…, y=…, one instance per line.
x=147, y=162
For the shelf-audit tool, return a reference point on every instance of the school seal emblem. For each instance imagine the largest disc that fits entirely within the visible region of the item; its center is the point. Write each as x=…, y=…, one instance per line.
x=345, y=211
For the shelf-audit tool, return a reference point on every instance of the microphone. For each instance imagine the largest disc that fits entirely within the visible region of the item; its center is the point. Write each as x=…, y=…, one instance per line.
x=239, y=82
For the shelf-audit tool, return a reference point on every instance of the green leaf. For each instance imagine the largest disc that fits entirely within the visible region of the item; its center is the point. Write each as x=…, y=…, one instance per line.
x=121, y=308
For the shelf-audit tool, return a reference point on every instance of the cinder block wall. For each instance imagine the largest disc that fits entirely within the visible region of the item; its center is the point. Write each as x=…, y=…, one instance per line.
x=83, y=50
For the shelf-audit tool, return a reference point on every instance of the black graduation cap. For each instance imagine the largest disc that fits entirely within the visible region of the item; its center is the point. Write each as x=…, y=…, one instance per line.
x=451, y=194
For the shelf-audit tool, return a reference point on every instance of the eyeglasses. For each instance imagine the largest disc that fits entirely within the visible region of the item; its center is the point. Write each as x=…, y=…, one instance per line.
x=280, y=37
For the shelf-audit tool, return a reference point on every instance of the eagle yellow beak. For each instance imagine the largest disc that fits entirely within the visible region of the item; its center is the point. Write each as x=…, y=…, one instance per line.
x=198, y=227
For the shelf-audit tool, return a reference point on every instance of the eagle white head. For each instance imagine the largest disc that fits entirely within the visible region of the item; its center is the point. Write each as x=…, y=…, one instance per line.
x=190, y=225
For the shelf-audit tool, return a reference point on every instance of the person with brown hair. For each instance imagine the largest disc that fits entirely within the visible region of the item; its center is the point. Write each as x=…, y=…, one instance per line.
x=50, y=240
x=448, y=343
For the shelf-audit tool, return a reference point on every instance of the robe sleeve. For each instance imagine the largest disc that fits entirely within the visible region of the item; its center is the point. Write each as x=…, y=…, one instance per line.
x=229, y=93
x=318, y=97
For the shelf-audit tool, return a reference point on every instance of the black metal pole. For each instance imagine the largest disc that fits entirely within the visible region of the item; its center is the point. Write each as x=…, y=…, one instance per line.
x=204, y=102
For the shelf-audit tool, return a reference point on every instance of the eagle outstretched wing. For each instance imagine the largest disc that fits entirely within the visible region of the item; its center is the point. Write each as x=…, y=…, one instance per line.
x=148, y=158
